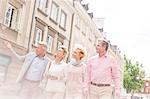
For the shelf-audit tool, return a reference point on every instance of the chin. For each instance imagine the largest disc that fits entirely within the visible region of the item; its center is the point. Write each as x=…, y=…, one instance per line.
x=97, y=51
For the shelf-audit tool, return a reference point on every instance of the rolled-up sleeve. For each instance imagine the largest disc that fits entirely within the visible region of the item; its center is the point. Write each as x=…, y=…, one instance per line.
x=116, y=76
x=88, y=72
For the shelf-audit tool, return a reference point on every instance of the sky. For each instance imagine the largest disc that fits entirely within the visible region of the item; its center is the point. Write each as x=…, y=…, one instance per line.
x=127, y=25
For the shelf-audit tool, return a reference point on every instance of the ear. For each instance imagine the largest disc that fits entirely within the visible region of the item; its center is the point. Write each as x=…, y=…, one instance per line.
x=81, y=56
x=64, y=55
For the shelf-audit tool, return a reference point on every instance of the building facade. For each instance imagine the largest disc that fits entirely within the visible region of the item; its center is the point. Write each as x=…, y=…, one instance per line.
x=14, y=19
x=26, y=22
x=58, y=22
x=84, y=30
x=146, y=86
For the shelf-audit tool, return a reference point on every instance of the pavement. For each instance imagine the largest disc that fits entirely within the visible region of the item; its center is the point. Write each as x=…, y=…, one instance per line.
x=9, y=92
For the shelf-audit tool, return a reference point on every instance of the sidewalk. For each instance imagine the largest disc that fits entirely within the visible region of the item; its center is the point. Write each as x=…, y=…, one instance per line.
x=9, y=92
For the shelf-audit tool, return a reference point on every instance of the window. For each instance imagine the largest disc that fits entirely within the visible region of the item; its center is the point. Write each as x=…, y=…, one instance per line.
x=95, y=40
x=43, y=4
x=11, y=17
x=54, y=12
x=78, y=21
x=38, y=35
x=59, y=43
x=49, y=43
x=90, y=35
x=63, y=18
x=84, y=28
x=4, y=63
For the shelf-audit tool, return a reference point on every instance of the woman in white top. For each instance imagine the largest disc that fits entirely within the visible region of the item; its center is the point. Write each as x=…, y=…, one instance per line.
x=76, y=86
x=56, y=74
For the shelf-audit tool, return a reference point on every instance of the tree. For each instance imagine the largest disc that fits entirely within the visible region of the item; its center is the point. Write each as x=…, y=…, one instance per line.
x=133, y=76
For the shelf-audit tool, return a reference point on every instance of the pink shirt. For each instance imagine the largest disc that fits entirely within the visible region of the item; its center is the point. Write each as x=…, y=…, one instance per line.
x=104, y=70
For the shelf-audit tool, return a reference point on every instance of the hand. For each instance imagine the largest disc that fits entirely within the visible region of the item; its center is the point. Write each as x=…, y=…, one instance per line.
x=60, y=77
x=117, y=95
x=8, y=45
x=85, y=92
x=53, y=77
x=47, y=75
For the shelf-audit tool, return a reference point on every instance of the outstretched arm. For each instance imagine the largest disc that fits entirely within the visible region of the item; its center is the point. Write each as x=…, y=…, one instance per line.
x=9, y=46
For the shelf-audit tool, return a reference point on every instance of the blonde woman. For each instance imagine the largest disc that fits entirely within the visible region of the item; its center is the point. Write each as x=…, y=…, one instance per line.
x=56, y=74
x=75, y=85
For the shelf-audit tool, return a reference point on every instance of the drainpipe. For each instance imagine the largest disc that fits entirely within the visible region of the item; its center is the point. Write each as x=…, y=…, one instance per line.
x=71, y=32
x=70, y=38
x=33, y=15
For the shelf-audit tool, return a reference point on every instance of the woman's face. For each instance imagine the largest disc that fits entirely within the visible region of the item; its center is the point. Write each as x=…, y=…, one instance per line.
x=60, y=53
x=77, y=54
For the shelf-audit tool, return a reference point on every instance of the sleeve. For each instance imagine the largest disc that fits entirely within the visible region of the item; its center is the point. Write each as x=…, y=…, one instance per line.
x=116, y=76
x=21, y=58
x=88, y=71
x=85, y=77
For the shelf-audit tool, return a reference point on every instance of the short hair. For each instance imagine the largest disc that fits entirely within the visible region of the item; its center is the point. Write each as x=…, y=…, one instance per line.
x=43, y=43
x=104, y=43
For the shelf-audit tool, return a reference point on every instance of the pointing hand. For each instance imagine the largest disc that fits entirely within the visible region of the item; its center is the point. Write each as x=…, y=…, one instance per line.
x=8, y=45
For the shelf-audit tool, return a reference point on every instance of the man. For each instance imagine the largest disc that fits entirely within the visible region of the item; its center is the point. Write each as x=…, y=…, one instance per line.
x=31, y=73
x=103, y=71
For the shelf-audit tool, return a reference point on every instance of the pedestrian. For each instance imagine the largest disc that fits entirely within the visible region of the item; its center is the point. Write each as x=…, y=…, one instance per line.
x=31, y=73
x=103, y=72
x=55, y=88
x=76, y=87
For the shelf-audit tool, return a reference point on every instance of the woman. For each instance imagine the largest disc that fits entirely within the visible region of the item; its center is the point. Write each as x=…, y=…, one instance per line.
x=56, y=75
x=76, y=84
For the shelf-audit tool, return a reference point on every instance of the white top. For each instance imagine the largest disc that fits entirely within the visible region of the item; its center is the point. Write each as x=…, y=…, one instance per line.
x=59, y=71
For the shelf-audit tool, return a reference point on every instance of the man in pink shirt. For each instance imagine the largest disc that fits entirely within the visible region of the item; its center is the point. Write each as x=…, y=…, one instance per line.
x=103, y=72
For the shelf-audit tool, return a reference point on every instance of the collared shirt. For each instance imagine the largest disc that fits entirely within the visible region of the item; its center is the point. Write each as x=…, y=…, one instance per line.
x=36, y=69
x=104, y=70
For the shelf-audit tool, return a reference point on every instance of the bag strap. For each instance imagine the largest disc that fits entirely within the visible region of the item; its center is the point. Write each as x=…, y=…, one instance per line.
x=48, y=67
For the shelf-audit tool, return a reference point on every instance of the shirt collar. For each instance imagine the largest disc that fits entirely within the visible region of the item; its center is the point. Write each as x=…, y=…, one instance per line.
x=104, y=56
x=62, y=61
x=43, y=58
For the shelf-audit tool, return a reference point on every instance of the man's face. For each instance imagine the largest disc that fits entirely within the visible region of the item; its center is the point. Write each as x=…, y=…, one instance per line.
x=100, y=48
x=60, y=53
x=40, y=50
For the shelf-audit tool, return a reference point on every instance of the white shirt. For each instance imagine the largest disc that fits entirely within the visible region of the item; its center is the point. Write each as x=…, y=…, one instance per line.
x=59, y=71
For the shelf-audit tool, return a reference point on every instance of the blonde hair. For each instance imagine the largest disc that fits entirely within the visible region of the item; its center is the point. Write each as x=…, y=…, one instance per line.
x=81, y=48
x=64, y=48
